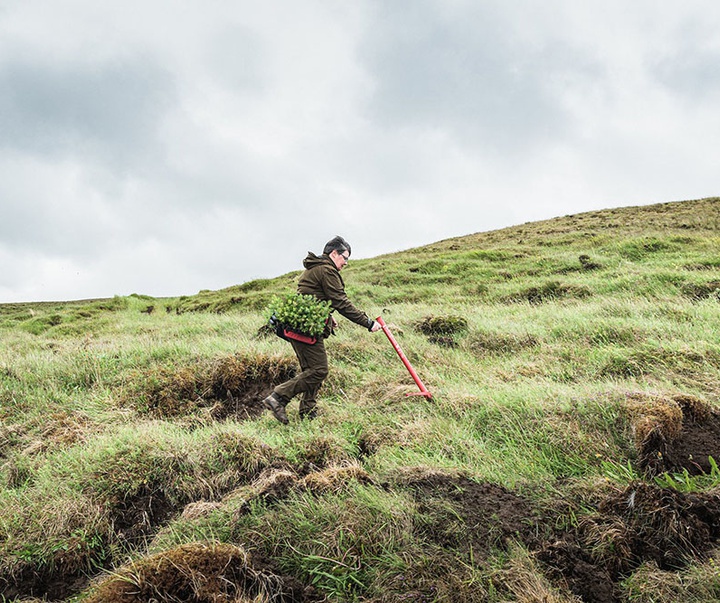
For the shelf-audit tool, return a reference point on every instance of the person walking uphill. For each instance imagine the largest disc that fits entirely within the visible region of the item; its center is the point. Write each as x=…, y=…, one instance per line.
x=321, y=279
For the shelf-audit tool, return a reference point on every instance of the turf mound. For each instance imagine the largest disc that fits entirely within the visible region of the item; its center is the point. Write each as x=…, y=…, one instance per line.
x=462, y=513
x=226, y=387
x=640, y=524
x=677, y=433
x=198, y=573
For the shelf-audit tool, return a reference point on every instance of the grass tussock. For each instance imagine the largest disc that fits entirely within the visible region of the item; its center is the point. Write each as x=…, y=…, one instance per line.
x=523, y=579
x=550, y=291
x=652, y=413
x=500, y=343
x=233, y=385
x=196, y=573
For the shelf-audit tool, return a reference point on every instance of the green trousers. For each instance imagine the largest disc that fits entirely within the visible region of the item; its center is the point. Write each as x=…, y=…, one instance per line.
x=313, y=370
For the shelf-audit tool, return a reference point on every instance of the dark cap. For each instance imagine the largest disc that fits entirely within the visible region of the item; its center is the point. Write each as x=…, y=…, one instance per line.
x=337, y=244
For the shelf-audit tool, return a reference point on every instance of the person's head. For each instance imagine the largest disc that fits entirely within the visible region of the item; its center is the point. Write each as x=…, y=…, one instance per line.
x=338, y=249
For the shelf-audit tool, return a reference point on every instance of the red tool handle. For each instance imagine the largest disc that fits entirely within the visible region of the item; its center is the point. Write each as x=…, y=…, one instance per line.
x=406, y=362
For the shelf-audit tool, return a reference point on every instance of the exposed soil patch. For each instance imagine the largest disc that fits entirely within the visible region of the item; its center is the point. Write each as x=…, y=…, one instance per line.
x=570, y=565
x=51, y=583
x=646, y=523
x=138, y=516
x=640, y=524
x=462, y=513
x=662, y=525
x=697, y=443
x=133, y=520
x=245, y=404
x=237, y=386
x=699, y=439
x=232, y=386
x=643, y=523
x=683, y=437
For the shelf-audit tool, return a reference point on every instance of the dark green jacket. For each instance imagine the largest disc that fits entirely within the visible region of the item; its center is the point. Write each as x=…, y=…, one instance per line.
x=322, y=279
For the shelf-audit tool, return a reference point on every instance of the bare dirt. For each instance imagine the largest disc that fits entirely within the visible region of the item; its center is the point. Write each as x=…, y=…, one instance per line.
x=690, y=448
x=229, y=387
x=697, y=443
x=465, y=514
x=641, y=523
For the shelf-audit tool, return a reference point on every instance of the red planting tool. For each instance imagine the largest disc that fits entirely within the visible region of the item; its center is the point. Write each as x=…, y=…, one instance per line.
x=423, y=390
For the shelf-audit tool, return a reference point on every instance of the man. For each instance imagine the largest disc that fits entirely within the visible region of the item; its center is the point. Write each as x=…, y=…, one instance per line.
x=321, y=279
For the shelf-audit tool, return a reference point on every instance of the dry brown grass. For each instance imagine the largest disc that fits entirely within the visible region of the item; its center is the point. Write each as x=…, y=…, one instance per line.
x=199, y=509
x=335, y=478
x=698, y=584
x=191, y=573
x=652, y=412
x=276, y=484
x=524, y=580
x=693, y=408
x=227, y=385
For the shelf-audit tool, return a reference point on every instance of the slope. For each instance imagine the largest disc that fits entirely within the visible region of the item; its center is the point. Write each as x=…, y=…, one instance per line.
x=568, y=452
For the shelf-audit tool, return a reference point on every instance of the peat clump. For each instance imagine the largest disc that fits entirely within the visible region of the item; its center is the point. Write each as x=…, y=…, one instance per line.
x=199, y=573
x=676, y=434
x=232, y=386
x=640, y=524
x=464, y=514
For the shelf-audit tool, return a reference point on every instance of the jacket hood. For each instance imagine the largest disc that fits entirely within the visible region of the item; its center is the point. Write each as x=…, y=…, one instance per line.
x=313, y=260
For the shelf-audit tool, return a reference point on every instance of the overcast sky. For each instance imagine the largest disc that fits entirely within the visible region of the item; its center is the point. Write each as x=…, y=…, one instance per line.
x=164, y=147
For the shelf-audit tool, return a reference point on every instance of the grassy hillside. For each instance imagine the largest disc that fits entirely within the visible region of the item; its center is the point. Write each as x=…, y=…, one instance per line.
x=568, y=452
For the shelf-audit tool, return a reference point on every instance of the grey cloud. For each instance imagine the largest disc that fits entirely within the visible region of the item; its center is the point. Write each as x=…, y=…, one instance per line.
x=111, y=111
x=466, y=74
x=693, y=75
x=48, y=225
x=687, y=61
x=236, y=56
x=217, y=147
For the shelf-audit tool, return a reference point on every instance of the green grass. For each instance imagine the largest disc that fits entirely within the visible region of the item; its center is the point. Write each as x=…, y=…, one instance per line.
x=530, y=339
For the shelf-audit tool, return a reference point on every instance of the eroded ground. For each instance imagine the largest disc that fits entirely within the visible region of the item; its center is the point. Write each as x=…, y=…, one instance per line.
x=466, y=519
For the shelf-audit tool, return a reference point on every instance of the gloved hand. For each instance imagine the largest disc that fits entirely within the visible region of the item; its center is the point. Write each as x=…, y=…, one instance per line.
x=374, y=327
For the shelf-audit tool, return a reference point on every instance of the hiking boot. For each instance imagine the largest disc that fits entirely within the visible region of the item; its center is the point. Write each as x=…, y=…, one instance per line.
x=308, y=407
x=276, y=405
x=308, y=415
